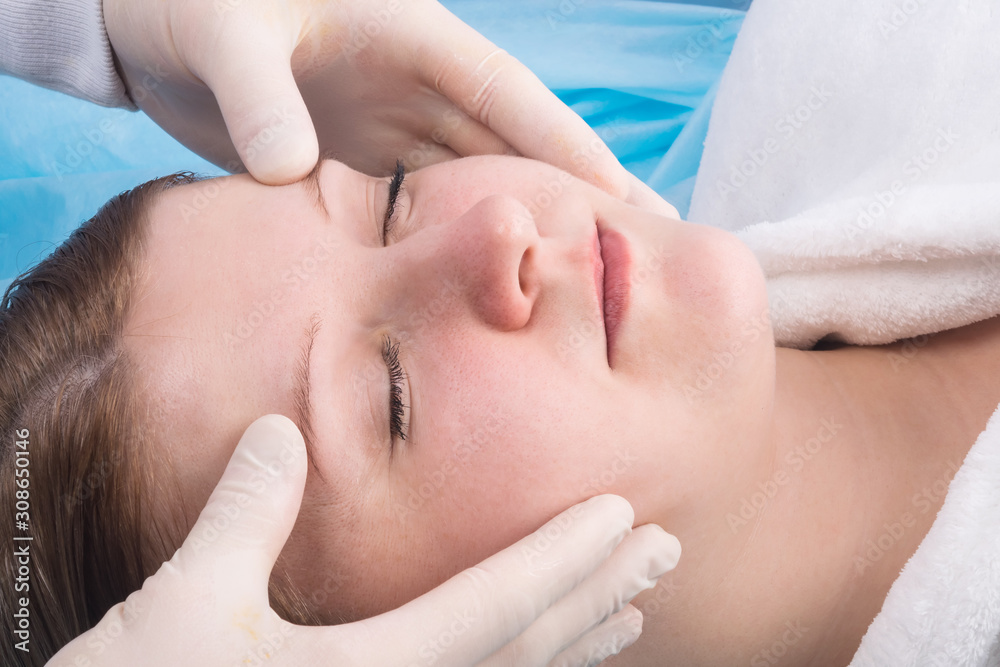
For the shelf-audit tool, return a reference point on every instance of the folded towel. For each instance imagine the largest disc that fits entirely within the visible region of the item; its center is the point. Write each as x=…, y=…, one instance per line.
x=866, y=135
x=855, y=147
x=930, y=262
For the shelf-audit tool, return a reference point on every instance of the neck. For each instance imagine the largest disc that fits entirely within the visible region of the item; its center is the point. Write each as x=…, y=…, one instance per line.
x=792, y=560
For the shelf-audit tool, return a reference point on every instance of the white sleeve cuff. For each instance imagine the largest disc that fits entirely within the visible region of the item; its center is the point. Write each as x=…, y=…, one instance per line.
x=63, y=45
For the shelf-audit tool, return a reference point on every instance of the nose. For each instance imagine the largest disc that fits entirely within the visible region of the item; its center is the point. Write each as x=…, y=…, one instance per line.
x=493, y=250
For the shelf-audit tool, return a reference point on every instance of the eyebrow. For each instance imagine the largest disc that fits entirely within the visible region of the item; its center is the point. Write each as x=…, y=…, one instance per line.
x=311, y=184
x=302, y=389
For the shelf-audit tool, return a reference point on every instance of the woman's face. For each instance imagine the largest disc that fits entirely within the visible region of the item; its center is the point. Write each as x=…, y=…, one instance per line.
x=485, y=316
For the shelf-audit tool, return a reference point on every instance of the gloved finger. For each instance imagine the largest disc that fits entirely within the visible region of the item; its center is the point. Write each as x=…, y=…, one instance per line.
x=636, y=565
x=498, y=91
x=252, y=510
x=643, y=196
x=467, y=136
x=426, y=153
x=609, y=638
x=250, y=74
x=485, y=607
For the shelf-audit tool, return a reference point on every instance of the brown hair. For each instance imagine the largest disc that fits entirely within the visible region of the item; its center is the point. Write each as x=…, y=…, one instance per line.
x=92, y=470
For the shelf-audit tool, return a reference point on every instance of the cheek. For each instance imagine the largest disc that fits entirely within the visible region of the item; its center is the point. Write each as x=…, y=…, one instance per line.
x=448, y=189
x=719, y=332
x=495, y=460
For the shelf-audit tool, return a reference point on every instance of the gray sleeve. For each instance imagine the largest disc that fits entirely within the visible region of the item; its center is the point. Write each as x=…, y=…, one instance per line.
x=63, y=45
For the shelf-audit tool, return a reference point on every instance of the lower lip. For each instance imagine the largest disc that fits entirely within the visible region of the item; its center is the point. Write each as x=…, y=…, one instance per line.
x=617, y=263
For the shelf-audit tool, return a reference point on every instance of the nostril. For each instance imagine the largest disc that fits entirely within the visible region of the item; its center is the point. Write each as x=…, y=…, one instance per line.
x=525, y=273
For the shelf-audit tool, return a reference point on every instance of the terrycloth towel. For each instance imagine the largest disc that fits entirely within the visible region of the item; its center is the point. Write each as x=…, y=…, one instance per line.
x=855, y=146
x=930, y=263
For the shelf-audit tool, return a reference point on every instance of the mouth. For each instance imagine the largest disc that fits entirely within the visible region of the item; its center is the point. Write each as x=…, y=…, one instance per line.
x=612, y=277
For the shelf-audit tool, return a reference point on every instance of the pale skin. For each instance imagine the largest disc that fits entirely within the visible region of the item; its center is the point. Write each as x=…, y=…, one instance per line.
x=517, y=409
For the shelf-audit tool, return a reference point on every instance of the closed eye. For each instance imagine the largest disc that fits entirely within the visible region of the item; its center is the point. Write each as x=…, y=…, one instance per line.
x=397, y=376
x=395, y=185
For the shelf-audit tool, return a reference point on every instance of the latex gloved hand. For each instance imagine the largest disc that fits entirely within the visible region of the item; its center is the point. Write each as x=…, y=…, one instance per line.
x=381, y=80
x=527, y=605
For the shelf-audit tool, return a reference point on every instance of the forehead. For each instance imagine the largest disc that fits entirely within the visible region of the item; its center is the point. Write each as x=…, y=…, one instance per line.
x=216, y=320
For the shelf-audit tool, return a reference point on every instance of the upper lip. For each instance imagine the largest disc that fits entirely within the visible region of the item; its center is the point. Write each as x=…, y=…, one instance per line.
x=611, y=272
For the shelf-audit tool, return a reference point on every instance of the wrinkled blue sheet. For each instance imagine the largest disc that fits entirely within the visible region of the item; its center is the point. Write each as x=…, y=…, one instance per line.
x=641, y=72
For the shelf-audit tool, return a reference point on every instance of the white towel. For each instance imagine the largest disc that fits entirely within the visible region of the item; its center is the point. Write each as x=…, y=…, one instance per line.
x=864, y=133
x=930, y=263
x=855, y=147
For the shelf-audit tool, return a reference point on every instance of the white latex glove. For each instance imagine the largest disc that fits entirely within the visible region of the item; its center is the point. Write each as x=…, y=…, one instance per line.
x=557, y=597
x=382, y=79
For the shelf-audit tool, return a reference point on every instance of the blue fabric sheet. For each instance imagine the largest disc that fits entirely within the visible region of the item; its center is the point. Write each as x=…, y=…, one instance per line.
x=642, y=73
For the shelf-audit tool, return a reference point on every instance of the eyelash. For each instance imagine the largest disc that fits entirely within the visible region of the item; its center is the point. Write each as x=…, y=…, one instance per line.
x=395, y=185
x=390, y=350
x=390, y=354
